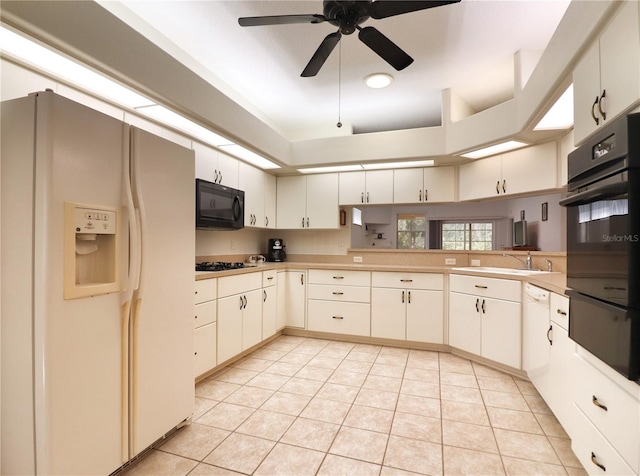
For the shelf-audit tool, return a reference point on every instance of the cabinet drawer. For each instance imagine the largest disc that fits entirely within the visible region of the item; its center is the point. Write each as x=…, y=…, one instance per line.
x=340, y=293
x=268, y=278
x=205, y=290
x=433, y=281
x=343, y=278
x=620, y=422
x=241, y=283
x=205, y=313
x=339, y=317
x=559, y=308
x=506, y=289
x=204, y=343
x=592, y=449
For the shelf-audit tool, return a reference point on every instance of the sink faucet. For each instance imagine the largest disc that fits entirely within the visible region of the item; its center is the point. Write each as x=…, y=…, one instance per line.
x=526, y=263
x=549, y=265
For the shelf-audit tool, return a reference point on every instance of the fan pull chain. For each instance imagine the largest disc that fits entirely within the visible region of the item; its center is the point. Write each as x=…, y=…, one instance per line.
x=339, y=124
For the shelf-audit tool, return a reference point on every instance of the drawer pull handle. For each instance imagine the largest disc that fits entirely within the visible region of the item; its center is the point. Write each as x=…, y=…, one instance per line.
x=594, y=460
x=561, y=312
x=337, y=293
x=595, y=401
x=338, y=317
x=480, y=287
x=270, y=278
x=338, y=277
x=406, y=280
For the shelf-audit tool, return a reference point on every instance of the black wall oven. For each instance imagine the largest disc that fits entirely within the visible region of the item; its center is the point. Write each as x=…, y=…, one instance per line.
x=603, y=245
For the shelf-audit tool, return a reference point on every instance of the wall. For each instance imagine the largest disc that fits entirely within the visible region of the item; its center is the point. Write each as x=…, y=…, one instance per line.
x=547, y=235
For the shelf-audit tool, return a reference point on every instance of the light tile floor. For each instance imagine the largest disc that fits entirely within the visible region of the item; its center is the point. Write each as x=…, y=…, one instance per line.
x=302, y=406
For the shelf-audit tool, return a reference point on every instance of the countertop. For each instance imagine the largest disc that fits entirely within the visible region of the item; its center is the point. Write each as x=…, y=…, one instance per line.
x=554, y=282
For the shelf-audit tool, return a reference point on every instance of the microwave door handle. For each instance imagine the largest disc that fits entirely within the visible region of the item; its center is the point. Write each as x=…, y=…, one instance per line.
x=236, y=209
x=593, y=195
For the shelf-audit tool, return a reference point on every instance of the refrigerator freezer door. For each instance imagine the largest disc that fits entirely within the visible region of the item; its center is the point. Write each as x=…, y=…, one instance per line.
x=162, y=385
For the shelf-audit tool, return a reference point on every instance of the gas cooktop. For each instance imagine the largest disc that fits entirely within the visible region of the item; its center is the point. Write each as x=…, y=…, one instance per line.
x=218, y=266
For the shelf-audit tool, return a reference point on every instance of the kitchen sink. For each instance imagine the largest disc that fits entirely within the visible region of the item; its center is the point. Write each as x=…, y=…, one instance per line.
x=512, y=271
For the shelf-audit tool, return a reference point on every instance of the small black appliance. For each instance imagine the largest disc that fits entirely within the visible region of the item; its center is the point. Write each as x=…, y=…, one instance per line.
x=275, y=252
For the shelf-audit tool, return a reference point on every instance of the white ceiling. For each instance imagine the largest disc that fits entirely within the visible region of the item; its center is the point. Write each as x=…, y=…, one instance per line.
x=468, y=47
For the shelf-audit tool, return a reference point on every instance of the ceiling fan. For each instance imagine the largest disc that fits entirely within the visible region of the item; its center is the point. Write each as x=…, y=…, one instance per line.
x=347, y=16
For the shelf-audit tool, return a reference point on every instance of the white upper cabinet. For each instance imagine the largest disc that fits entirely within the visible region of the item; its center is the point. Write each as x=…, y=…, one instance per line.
x=269, y=201
x=525, y=170
x=432, y=184
x=251, y=181
x=307, y=202
x=215, y=166
x=606, y=81
x=371, y=187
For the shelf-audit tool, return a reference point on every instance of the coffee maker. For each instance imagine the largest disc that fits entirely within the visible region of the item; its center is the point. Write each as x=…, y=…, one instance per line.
x=275, y=252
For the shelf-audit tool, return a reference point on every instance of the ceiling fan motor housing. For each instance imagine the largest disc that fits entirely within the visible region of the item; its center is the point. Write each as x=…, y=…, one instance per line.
x=346, y=14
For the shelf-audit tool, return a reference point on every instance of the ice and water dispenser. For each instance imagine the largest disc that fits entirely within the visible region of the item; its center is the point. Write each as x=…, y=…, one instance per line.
x=91, y=251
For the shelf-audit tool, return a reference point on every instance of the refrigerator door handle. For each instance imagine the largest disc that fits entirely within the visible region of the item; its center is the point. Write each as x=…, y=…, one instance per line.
x=141, y=215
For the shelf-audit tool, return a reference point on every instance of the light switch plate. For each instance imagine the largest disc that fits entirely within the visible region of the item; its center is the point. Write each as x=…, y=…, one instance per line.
x=475, y=262
x=357, y=259
x=449, y=261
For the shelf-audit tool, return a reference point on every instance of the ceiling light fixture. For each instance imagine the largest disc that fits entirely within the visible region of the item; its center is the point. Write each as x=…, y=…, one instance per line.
x=494, y=149
x=361, y=167
x=560, y=116
x=378, y=80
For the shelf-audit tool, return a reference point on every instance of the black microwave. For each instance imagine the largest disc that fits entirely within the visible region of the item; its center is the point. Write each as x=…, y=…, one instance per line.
x=218, y=207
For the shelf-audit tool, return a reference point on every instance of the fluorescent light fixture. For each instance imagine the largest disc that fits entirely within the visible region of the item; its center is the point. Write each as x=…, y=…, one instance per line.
x=249, y=156
x=57, y=65
x=494, y=149
x=329, y=169
x=166, y=116
x=560, y=116
x=378, y=80
x=398, y=165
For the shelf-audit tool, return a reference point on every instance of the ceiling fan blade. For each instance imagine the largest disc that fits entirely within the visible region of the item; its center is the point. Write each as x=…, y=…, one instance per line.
x=281, y=20
x=383, y=46
x=321, y=54
x=388, y=8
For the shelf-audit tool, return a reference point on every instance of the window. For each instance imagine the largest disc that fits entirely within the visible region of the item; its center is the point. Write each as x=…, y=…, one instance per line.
x=477, y=236
x=412, y=232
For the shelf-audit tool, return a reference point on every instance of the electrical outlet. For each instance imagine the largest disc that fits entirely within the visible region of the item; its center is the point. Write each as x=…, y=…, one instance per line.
x=449, y=261
x=357, y=259
x=475, y=262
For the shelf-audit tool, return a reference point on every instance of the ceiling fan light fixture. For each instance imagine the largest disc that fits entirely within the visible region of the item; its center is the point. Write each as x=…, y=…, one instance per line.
x=378, y=80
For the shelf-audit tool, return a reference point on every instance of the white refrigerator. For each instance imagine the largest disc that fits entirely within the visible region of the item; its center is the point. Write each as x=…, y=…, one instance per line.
x=98, y=244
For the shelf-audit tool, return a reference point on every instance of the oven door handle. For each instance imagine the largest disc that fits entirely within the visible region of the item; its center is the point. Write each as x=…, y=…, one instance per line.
x=593, y=195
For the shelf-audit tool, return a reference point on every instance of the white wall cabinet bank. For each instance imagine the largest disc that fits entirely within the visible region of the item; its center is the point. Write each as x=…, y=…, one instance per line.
x=339, y=302
x=485, y=317
x=407, y=306
x=205, y=326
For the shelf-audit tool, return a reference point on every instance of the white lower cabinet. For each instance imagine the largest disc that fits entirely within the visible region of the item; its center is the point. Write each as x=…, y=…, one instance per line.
x=292, y=298
x=407, y=306
x=239, y=314
x=339, y=302
x=485, y=318
x=269, y=304
x=204, y=335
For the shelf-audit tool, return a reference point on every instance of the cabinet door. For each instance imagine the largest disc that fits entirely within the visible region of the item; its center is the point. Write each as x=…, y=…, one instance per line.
x=388, y=313
x=465, y=322
x=560, y=391
x=206, y=162
x=269, y=201
x=228, y=170
x=229, y=327
x=269, y=309
x=530, y=169
x=291, y=201
x=586, y=89
x=480, y=179
x=425, y=316
x=620, y=61
x=292, y=299
x=501, y=331
x=439, y=184
x=252, y=319
x=322, y=201
x=351, y=188
x=204, y=349
x=252, y=182
x=379, y=187
x=408, y=186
